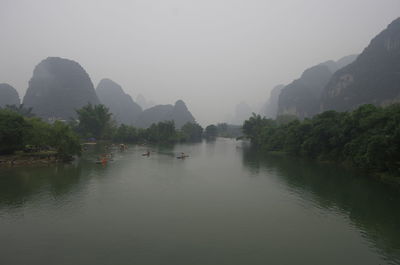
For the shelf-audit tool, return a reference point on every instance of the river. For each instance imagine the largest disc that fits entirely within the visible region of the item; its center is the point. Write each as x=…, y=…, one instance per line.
x=224, y=204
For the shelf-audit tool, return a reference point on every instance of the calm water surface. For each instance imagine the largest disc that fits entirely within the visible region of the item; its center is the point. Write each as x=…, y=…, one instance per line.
x=225, y=204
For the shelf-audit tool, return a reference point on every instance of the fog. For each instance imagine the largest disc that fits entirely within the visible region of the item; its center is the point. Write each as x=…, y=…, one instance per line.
x=213, y=54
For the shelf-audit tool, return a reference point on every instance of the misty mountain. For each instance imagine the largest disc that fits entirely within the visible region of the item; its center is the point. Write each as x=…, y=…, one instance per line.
x=8, y=95
x=303, y=96
x=179, y=113
x=242, y=112
x=121, y=105
x=373, y=78
x=270, y=108
x=58, y=87
x=143, y=102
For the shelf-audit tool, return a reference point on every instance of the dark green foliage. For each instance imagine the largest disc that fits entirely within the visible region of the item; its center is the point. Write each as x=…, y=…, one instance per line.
x=368, y=137
x=192, y=132
x=13, y=129
x=211, y=131
x=64, y=140
x=127, y=134
x=20, y=109
x=229, y=130
x=95, y=121
x=39, y=133
x=162, y=132
x=17, y=132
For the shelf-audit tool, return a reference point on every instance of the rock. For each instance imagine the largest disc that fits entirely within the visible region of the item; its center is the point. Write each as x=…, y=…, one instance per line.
x=270, y=108
x=143, y=102
x=178, y=113
x=8, y=96
x=121, y=105
x=373, y=78
x=302, y=97
x=58, y=87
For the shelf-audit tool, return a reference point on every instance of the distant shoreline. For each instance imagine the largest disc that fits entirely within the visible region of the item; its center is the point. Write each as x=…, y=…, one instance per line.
x=26, y=159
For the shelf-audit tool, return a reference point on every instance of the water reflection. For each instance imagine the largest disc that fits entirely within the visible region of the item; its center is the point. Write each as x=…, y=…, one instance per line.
x=21, y=185
x=373, y=207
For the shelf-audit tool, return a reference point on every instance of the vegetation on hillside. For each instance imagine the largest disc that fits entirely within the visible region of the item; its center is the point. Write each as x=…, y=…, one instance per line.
x=223, y=130
x=368, y=137
x=19, y=133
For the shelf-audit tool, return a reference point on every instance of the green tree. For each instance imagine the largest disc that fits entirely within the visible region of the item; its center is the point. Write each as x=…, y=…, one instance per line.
x=95, y=121
x=211, y=131
x=162, y=132
x=192, y=132
x=64, y=140
x=39, y=133
x=13, y=129
x=126, y=133
x=26, y=112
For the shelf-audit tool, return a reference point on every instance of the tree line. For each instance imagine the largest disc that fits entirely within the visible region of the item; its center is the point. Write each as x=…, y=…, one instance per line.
x=21, y=131
x=367, y=137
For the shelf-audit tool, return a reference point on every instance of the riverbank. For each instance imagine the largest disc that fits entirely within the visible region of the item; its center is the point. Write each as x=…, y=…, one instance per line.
x=384, y=177
x=26, y=159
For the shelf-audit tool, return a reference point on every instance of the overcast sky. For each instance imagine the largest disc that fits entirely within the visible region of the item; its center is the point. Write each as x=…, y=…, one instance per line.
x=210, y=53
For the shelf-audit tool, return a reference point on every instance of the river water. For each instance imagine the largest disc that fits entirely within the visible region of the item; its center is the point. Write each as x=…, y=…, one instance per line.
x=224, y=204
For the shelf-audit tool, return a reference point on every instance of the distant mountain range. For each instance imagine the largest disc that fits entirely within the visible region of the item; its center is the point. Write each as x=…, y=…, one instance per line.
x=179, y=113
x=124, y=109
x=60, y=86
x=302, y=96
x=127, y=111
x=373, y=77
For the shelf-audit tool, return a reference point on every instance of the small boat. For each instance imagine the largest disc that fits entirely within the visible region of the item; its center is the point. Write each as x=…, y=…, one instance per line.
x=182, y=156
x=102, y=161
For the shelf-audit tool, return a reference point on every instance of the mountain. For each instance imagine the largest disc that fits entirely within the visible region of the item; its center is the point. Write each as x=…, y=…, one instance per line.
x=179, y=113
x=242, y=112
x=374, y=77
x=58, y=87
x=142, y=101
x=121, y=105
x=8, y=95
x=270, y=108
x=303, y=96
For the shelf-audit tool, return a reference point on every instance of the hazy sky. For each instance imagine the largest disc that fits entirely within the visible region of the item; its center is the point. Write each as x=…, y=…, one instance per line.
x=210, y=53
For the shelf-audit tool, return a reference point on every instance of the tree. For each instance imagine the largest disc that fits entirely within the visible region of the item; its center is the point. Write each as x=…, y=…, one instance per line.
x=126, y=133
x=64, y=140
x=95, y=121
x=39, y=132
x=26, y=112
x=211, y=131
x=162, y=132
x=13, y=129
x=253, y=127
x=192, y=132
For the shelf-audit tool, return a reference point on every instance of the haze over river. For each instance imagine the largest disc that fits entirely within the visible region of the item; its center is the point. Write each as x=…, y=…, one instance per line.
x=224, y=204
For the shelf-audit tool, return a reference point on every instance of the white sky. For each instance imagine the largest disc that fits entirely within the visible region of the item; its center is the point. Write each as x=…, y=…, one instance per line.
x=210, y=53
